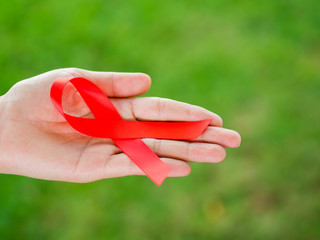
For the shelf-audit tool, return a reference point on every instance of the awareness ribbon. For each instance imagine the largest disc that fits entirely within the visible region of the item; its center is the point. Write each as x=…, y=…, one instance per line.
x=125, y=134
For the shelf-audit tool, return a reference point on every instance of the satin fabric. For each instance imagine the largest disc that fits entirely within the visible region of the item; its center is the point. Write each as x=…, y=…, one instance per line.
x=125, y=134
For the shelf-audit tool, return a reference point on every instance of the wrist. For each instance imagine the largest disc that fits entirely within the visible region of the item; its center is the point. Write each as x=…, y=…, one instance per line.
x=1, y=117
x=3, y=165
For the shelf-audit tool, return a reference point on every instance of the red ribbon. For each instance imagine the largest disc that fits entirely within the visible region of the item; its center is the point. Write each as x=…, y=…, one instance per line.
x=125, y=134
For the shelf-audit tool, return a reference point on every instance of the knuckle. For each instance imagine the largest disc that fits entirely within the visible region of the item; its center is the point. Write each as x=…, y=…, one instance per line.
x=188, y=151
x=69, y=72
x=154, y=144
x=161, y=105
x=158, y=146
x=189, y=111
x=82, y=179
x=132, y=168
x=73, y=72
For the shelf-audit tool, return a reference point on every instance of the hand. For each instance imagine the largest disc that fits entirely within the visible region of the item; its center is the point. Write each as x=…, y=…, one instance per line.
x=36, y=141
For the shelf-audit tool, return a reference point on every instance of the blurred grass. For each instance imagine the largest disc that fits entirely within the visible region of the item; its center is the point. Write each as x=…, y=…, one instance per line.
x=255, y=63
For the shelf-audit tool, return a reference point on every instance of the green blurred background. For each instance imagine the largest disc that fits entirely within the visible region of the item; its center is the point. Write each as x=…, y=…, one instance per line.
x=255, y=63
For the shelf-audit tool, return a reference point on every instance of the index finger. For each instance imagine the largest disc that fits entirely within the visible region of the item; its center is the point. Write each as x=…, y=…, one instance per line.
x=114, y=84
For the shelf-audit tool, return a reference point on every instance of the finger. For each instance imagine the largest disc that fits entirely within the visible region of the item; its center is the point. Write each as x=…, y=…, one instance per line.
x=114, y=84
x=121, y=165
x=163, y=109
x=222, y=136
x=117, y=84
x=187, y=151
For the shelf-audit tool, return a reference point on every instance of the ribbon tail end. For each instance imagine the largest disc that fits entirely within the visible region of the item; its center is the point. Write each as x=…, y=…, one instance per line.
x=161, y=176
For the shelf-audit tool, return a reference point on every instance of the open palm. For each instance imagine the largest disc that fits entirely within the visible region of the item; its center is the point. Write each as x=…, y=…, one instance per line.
x=36, y=141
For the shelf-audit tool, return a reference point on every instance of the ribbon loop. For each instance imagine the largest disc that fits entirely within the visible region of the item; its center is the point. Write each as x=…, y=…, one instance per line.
x=125, y=134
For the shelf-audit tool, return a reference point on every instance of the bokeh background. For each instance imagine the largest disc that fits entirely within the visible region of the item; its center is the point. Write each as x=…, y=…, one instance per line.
x=255, y=63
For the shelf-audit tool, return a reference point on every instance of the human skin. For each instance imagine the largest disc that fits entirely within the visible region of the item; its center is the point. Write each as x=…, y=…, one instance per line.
x=36, y=141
